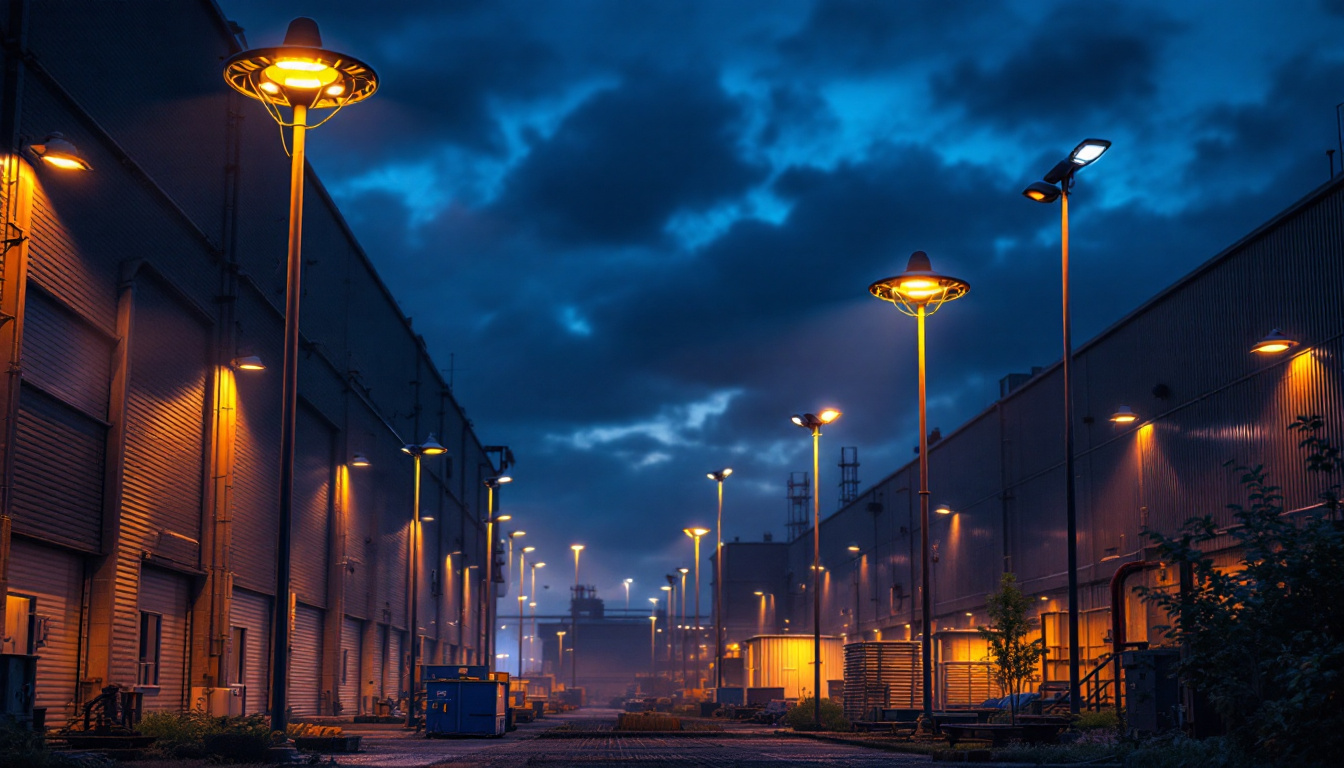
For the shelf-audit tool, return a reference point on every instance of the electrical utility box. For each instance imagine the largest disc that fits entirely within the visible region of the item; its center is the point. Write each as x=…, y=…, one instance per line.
x=1152, y=692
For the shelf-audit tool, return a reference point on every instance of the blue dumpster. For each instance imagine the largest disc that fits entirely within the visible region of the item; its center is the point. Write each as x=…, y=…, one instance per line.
x=465, y=707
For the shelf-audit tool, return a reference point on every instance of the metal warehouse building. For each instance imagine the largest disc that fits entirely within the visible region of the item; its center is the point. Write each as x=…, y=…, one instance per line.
x=1182, y=362
x=140, y=464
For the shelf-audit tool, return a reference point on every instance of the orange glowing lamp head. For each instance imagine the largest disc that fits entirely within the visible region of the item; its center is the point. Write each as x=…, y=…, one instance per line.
x=300, y=72
x=695, y=533
x=57, y=151
x=919, y=286
x=1124, y=415
x=1273, y=343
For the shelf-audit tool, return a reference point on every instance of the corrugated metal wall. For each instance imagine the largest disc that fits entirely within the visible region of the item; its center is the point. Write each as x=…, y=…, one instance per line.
x=58, y=472
x=55, y=579
x=352, y=646
x=313, y=478
x=253, y=612
x=305, y=685
x=256, y=479
x=167, y=594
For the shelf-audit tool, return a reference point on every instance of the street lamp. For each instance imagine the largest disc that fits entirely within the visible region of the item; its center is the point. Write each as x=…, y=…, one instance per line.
x=919, y=292
x=492, y=484
x=522, y=577
x=560, y=655
x=300, y=75
x=671, y=601
x=57, y=151
x=683, y=572
x=653, y=643
x=574, y=612
x=856, y=553
x=813, y=423
x=430, y=447
x=718, y=478
x=533, y=604
x=696, y=533
x=1045, y=191
x=627, y=584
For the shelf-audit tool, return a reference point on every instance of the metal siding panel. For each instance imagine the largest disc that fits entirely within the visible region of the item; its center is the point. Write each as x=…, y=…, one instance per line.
x=58, y=472
x=165, y=428
x=305, y=687
x=55, y=578
x=256, y=478
x=253, y=612
x=312, y=499
x=167, y=594
x=63, y=355
x=393, y=665
x=375, y=674
x=171, y=122
x=352, y=646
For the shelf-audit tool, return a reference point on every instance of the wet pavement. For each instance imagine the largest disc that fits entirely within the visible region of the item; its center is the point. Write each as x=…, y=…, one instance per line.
x=739, y=745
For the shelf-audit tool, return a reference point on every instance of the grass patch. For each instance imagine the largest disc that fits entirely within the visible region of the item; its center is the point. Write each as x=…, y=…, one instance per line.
x=197, y=735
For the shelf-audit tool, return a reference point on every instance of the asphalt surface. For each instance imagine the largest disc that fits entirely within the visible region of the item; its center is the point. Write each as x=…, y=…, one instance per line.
x=744, y=746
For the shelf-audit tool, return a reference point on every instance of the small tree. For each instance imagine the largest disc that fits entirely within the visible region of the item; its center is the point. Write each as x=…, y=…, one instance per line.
x=1265, y=640
x=1016, y=659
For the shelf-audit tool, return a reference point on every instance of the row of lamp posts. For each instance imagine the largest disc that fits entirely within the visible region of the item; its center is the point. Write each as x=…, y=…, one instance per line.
x=302, y=76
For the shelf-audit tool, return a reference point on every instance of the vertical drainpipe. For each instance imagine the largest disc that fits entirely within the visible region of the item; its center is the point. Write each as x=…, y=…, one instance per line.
x=14, y=276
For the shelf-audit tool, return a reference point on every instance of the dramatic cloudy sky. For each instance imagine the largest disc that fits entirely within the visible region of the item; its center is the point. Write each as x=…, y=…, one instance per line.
x=643, y=229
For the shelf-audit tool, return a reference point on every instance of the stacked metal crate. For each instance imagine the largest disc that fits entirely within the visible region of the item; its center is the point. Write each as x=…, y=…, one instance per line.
x=882, y=674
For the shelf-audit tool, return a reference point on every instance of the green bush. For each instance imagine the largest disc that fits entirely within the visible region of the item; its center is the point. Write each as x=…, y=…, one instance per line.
x=802, y=717
x=1180, y=751
x=185, y=735
x=19, y=748
x=1101, y=719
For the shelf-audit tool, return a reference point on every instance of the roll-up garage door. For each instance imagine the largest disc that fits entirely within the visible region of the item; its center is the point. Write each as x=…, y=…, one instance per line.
x=352, y=634
x=46, y=589
x=305, y=661
x=252, y=613
x=312, y=499
x=164, y=628
x=375, y=674
x=392, y=666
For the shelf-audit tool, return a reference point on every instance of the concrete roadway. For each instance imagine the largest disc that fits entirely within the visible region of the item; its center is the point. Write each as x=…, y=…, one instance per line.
x=746, y=746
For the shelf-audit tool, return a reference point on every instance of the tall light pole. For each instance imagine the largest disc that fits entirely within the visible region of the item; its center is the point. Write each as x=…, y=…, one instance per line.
x=522, y=600
x=508, y=574
x=560, y=658
x=488, y=625
x=695, y=534
x=653, y=642
x=683, y=572
x=671, y=603
x=627, y=584
x=857, y=554
x=813, y=423
x=919, y=292
x=300, y=75
x=719, y=477
x=533, y=592
x=1083, y=155
x=430, y=447
x=574, y=611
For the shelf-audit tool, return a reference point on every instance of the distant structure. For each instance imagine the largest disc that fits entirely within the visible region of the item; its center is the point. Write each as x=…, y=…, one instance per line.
x=800, y=498
x=849, y=475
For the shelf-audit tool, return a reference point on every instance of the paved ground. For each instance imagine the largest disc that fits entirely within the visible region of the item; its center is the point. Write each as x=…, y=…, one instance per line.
x=747, y=747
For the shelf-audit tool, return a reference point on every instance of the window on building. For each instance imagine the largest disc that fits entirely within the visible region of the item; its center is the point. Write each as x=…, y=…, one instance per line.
x=151, y=641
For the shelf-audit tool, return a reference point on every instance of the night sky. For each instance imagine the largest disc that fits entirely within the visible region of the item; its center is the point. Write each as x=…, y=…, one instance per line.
x=642, y=231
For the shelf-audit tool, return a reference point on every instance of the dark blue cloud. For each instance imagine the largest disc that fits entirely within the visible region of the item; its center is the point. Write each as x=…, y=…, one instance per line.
x=629, y=158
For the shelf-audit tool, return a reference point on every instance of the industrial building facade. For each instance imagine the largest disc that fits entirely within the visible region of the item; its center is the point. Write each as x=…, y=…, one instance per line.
x=1182, y=362
x=140, y=461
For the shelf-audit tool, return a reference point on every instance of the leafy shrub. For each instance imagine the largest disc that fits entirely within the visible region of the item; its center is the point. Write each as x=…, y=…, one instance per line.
x=20, y=748
x=312, y=730
x=1101, y=719
x=802, y=717
x=1179, y=751
x=1265, y=640
x=185, y=735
